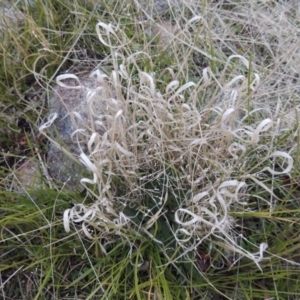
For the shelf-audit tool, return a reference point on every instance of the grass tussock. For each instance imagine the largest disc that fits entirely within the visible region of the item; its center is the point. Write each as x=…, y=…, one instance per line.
x=193, y=190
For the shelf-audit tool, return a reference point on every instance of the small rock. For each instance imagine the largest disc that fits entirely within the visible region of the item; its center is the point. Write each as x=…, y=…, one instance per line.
x=9, y=16
x=165, y=32
x=155, y=8
x=76, y=110
x=28, y=176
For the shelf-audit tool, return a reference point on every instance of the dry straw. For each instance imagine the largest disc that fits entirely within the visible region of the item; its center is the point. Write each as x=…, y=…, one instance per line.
x=151, y=134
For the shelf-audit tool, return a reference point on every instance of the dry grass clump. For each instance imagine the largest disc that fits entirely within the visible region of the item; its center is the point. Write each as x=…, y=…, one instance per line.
x=180, y=150
x=193, y=189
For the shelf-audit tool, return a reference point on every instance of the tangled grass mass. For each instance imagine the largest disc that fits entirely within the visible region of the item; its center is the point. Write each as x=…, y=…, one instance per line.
x=190, y=156
x=166, y=150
